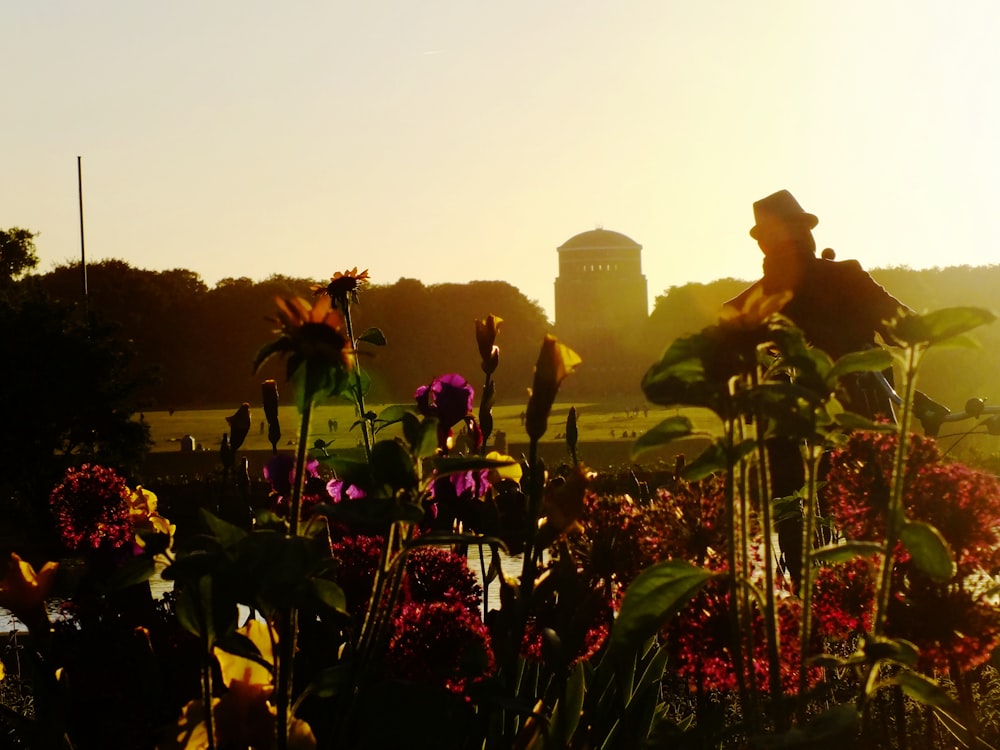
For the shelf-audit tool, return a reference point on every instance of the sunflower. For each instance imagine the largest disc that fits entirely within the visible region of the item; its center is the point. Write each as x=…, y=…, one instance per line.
x=344, y=287
x=309, y=334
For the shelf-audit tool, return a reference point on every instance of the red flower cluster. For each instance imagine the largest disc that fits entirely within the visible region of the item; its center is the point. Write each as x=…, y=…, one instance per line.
x=843, y=596
x=571, y=616
x=622, y=538
x=357, y=561
x=91, y=508
x=953, y=626
x=963, y=504
x=438, y=636
x=440, y=643
x=688, y=523
x=439, y=575
x=702, y=643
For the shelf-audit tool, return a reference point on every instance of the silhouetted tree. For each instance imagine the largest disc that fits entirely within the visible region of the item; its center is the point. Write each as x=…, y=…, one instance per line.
x=17, y=253
x=66, y=398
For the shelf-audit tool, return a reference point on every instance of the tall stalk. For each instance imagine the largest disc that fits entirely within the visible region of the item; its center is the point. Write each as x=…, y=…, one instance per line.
x=896, y=518
x=770, y=609
x=736, y=588
x=289, y=618
x=359, y=394
x=806, y=575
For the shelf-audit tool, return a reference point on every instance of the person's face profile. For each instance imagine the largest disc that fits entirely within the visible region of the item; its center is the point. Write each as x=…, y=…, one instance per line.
x=780, y=238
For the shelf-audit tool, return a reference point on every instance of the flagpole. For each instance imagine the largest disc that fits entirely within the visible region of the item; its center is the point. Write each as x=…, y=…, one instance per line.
x=83, y=253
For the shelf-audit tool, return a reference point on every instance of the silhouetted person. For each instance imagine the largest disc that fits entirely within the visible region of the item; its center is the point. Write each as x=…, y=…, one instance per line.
x=838, y=307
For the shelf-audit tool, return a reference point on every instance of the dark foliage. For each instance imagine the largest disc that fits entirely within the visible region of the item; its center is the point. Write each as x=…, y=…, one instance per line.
x=66, y=398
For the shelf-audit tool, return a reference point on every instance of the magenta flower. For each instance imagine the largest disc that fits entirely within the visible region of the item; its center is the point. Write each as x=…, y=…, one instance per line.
x=91, y=507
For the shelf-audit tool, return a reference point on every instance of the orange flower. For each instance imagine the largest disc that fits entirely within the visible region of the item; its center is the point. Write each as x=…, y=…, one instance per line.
x=555, y=362
x=23, y=591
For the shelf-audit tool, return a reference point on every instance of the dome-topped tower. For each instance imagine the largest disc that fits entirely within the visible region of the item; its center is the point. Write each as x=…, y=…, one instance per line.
x=601, y=297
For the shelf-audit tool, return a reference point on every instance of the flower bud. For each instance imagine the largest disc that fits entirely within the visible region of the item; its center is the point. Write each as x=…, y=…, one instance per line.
x=555, y=362
x=486, y=337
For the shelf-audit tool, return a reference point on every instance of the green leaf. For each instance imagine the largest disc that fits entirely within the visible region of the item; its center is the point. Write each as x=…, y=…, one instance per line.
x=330, y=594
x=717, y=458
x=929, y=550
x=455, y=464
x=330, y=682
x=869, y=360
x=190, y=566
x=278, y=346
x=848, y=420
x=373, y=512
x=226, y=533
x=922, y=688
x=834, y=728
x=391, y=464
x=394, y=413
x=840, y=553
x=202, y=613
x=655, y=596
x=898, y=650
x=668, y=430
x=941, y=325
x=134, y=571
x=373, y=336
x=567, y=712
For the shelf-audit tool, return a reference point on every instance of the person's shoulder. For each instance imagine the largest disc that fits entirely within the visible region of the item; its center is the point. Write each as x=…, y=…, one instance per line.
x=842, y=268
x=739, y=299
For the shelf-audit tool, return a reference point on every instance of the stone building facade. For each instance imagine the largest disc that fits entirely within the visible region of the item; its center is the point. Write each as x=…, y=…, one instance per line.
x=601, y=306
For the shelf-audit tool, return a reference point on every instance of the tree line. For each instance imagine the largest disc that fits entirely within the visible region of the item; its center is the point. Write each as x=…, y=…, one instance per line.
x=192, y=345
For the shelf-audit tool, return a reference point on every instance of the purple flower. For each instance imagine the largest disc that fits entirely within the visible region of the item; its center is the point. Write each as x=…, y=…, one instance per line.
x=449, y=398
x=338, y=491
x=278, y=472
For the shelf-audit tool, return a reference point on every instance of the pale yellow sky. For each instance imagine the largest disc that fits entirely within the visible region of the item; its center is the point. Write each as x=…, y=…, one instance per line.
x=451, y=140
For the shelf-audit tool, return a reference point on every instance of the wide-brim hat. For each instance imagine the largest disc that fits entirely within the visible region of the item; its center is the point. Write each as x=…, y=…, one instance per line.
x=780, y=208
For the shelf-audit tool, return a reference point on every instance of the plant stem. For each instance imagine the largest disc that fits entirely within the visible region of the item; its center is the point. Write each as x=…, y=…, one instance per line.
x=896, y=515
x=289, y=618
x=806, y=576
x=359, y=395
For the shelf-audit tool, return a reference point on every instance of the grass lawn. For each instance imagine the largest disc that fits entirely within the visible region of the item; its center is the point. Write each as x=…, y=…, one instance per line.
x=595, y=423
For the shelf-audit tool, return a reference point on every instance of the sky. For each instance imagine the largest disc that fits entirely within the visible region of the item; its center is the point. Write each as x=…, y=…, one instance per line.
x=459, y=140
